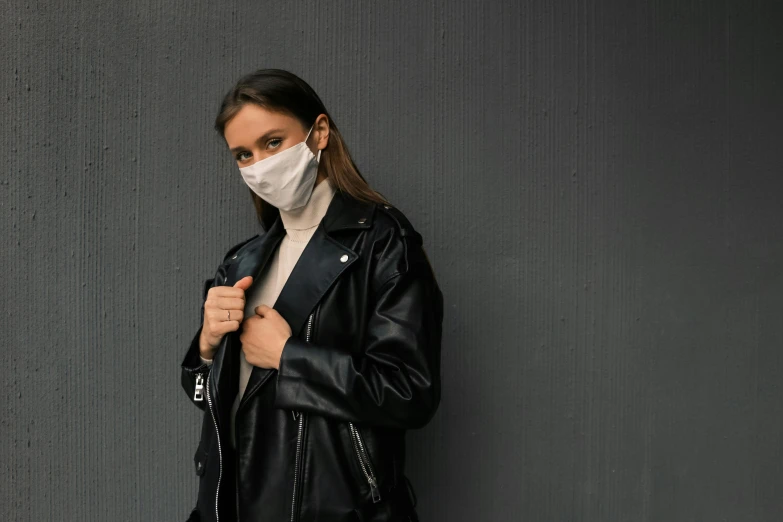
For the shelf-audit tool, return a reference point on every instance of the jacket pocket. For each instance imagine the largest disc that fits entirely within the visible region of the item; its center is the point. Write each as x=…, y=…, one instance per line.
x=200, y=460
x=362, y=456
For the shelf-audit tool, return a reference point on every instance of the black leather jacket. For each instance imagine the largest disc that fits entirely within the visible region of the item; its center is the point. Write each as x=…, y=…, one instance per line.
x=322, y=438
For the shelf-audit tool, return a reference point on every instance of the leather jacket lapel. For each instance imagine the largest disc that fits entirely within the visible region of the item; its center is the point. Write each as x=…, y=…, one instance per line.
x=321, y=262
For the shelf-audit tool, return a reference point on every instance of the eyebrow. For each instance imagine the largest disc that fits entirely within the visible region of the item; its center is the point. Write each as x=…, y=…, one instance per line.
x=262, y=138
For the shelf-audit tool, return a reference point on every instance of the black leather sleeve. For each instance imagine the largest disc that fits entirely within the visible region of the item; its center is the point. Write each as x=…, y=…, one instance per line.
x=395, y=382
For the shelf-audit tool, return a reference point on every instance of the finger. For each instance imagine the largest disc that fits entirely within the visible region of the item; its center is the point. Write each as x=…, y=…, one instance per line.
x=263, y=310
x=226, y=303
x=244, y=283
x=218, y=319
x=237, y=315
x=223, y=327
x=226, y=291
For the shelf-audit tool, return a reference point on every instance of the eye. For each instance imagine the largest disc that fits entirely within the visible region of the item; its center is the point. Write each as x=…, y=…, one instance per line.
x=239, y=156
x=273, y=143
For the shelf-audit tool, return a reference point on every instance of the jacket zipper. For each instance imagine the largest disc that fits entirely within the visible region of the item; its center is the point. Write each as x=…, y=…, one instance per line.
x=198, y=395
x=300, y=432
x=364, y=461
x=220, y=452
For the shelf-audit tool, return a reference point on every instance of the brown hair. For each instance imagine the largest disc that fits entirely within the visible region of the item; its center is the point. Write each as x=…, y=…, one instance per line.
x=280, y=90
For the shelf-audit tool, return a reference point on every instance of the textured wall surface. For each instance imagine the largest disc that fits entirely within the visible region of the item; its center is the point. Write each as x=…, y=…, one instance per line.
x=598, y=185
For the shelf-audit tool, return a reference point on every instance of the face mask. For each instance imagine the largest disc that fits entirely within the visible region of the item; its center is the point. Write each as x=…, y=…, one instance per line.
x=286, y=179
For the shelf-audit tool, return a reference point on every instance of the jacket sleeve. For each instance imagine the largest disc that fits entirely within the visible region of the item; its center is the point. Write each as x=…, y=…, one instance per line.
x=395, y=381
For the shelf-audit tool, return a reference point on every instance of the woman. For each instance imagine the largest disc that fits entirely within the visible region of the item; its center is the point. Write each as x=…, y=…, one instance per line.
x=320, y=336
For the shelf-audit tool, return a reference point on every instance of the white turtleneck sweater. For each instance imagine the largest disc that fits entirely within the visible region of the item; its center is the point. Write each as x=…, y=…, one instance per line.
x=299, y=224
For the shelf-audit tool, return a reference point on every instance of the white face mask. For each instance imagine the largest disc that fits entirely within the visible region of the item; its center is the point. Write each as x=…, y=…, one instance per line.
x=286, y=179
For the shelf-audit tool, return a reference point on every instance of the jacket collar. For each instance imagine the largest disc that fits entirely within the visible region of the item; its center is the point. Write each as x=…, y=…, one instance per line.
x=320, y=264
x=346, y=213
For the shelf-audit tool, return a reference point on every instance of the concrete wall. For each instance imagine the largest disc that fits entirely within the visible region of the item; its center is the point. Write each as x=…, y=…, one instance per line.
x=598, y=185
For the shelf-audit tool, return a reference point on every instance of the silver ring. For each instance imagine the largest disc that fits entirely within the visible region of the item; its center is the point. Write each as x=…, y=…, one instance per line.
x=229, y=314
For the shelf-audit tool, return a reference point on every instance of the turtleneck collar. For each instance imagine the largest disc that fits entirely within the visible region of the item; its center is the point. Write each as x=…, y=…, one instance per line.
x=298, y=223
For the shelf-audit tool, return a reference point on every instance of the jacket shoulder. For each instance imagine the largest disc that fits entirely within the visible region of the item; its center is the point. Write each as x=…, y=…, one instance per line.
x=400, y=245
x=390, y=217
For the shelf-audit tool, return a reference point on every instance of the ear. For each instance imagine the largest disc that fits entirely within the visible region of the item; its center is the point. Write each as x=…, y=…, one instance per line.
x=322, y=130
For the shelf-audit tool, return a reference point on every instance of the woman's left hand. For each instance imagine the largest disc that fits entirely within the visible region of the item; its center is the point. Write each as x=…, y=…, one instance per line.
x=263, y=337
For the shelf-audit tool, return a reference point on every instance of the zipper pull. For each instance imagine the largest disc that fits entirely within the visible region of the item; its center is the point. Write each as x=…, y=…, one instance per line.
x=295, y=414
x=376, y=493
x=198, y=395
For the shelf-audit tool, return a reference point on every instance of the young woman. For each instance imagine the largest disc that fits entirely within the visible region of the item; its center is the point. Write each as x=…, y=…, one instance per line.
x=320, y=336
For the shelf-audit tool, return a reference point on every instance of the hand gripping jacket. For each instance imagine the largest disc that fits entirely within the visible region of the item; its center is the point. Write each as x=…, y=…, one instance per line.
x=323, y=438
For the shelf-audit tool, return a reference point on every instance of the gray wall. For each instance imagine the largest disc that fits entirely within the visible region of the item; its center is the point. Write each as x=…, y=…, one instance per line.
x=598, y=185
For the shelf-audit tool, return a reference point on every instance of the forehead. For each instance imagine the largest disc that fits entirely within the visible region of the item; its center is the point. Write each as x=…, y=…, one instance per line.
x=253, y=121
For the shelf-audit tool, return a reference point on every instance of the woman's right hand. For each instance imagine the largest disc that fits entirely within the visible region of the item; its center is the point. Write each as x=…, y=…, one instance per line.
x=220, y=302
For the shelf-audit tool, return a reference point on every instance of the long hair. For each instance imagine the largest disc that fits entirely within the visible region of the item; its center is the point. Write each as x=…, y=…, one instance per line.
x=282, y=91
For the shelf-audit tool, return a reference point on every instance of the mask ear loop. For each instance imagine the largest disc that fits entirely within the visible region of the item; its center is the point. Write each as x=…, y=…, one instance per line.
x=318, y=156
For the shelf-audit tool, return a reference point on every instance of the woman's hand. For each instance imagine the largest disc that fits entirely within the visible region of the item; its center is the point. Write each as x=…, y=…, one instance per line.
x=222, y=302
x=263, y=337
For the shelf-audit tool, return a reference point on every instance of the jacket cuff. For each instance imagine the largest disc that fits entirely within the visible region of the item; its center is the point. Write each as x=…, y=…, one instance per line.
x=290, y=366
x=193, y=360
x=298, y=383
